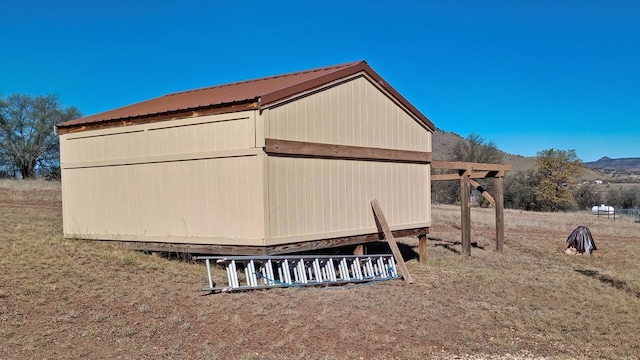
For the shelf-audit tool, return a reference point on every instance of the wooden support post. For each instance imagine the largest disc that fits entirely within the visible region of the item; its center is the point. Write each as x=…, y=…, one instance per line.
x=468, y=171
x=499, y=205
x=465, y=210
x=359, y=250
x=377, y=212
x=422, y=249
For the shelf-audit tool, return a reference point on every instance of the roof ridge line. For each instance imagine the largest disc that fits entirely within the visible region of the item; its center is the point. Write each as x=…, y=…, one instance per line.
x=339, y=66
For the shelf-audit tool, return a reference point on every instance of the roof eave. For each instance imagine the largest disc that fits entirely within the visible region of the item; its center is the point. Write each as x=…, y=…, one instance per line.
x=249, y=104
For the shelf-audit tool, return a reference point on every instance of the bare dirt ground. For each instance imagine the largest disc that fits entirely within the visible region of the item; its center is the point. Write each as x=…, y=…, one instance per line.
x=71, y=299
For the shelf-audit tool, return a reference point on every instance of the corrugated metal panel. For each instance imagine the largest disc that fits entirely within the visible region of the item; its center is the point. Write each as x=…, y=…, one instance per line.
x=266, y=90
x=129, y=144
x=184, y=201
x=353, y=113
x=205, y=179
x=198, y=181
x=237, y=133
x=320, y=198
x=186, y=136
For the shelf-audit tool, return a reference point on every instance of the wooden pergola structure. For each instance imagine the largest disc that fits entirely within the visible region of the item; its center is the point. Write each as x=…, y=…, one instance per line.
x=467, y=172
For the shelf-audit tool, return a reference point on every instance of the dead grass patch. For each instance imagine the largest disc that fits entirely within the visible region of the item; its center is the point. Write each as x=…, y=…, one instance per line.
x=62, y=298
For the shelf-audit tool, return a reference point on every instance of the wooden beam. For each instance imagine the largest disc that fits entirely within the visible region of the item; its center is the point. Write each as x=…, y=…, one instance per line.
x=461, y=165
x=490, y=167
x=465, y=214
x=438, y=177
x=481, y=174
x=313, y=245
x=484, y=192
x=212, y=249
x=499, y=205
x=332, y=151
x=422, y=249
x=377, y=211
x=454, y=176
x=452, y=165
x=188, y=248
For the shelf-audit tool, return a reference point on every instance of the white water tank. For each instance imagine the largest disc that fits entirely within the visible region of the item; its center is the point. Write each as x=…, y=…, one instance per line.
x=603, y=209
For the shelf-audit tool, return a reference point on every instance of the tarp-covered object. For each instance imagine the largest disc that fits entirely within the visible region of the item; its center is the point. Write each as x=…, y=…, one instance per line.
x=581, y=240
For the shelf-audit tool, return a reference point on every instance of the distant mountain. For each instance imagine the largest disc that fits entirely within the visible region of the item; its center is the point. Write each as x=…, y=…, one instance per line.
x=627, y=165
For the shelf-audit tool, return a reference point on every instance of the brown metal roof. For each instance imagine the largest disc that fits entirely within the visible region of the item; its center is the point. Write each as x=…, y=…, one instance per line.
x=266, y=91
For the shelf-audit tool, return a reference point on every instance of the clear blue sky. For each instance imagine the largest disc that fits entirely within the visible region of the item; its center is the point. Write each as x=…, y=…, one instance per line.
x=526, y=74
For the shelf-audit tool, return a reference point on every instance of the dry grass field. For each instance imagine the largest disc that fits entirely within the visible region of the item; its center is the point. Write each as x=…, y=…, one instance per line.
x=71, y=299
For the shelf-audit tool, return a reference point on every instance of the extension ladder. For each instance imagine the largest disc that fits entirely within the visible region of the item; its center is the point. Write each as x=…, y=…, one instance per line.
x=259, y=272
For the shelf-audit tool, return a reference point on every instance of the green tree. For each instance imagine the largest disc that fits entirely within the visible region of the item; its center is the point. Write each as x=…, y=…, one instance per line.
x=519, y=190
x=27, y=138
x=473, y=148
x=586, y=196
x=624, y=198
x=559, y=172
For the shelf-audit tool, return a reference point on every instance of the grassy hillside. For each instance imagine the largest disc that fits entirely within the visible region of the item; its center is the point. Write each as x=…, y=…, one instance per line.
x=74, y=299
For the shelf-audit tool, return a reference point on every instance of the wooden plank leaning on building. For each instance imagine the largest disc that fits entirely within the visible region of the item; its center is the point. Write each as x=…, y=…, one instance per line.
x=382, y=221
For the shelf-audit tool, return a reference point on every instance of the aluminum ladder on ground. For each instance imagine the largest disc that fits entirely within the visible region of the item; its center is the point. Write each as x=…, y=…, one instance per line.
x=260, y=272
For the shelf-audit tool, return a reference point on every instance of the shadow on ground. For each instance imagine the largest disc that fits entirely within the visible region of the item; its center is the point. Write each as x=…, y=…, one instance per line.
x=606, y=279
x=373, y=248
x=453, y=246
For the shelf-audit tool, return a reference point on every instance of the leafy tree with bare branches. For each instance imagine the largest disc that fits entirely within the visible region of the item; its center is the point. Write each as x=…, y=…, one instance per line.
x=27, y=138
x=473, y=148
x=519, y=190
x=559, y=172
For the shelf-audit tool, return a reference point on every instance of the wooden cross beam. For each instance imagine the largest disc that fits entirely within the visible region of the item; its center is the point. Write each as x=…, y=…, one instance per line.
x=466, y=173
x=482, y=191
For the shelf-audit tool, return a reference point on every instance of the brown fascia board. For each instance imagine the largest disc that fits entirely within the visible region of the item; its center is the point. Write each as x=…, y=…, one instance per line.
x=287, y=92
x=362, y=66
x=402, y=100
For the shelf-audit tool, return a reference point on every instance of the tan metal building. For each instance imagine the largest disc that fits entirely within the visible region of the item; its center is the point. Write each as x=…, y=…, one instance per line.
x=271, y=165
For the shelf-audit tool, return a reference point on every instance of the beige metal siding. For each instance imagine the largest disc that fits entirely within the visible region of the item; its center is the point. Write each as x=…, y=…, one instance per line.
x=217, y=134
x=320, y=198
x=184, y=201
x=185, y=136
x=130, y=144
x=193, y=180
x=352, y=113
x=206, y=180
